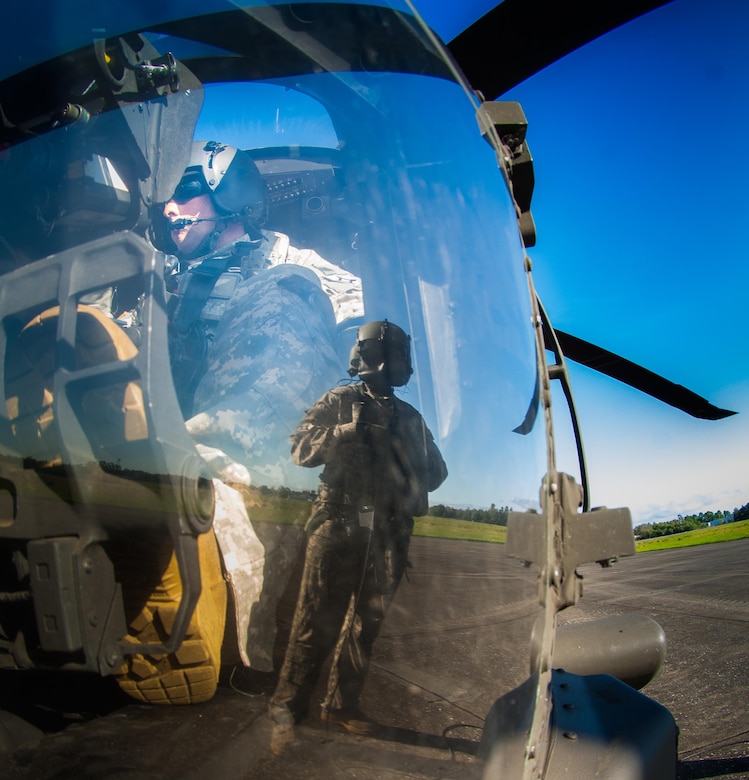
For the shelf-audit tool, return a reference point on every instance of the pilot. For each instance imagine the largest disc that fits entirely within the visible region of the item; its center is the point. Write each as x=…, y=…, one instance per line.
x=379, y=462
x=253, y=329
x=215, y=222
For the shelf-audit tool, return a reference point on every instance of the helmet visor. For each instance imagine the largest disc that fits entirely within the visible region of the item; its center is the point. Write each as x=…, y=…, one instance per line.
x=190, y=187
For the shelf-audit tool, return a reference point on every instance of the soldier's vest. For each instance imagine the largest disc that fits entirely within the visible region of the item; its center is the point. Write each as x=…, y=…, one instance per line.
x=200, y=300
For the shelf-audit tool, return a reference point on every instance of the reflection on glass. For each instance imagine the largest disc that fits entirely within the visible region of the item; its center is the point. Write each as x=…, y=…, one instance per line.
x=380, y=462
x=210, y=273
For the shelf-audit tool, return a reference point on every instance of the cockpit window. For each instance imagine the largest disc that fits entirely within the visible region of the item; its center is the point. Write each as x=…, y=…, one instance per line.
x=189, y=271
x=264, y=115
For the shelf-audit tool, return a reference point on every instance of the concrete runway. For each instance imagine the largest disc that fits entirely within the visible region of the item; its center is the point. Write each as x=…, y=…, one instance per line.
x=456, y=638
x=700, y=596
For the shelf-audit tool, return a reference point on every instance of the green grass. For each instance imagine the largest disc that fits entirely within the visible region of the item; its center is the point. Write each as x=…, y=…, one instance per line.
x=442, y=528
x=445, y=528
x=289, y=511
x=269, y=508
x=721, y=533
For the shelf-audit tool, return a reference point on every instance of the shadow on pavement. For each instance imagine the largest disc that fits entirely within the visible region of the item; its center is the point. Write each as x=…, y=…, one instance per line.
x=714, y=768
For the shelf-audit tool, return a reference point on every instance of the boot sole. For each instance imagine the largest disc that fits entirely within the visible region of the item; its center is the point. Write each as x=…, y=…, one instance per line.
x=190, y=674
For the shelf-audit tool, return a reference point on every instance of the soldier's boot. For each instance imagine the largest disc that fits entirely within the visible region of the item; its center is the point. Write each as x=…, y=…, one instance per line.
x=148, y=570
x=190, y=674
x=353, y=721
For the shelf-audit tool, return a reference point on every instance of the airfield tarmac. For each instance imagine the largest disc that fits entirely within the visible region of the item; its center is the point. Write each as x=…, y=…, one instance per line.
x=699, y=595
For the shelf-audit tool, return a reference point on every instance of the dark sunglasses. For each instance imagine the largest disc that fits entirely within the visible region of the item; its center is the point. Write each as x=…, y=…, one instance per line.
x=190, y=187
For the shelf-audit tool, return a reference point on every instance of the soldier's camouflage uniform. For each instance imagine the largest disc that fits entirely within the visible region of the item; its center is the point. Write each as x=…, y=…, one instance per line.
x=271, y=324
x=268, y=333
x=380, y=461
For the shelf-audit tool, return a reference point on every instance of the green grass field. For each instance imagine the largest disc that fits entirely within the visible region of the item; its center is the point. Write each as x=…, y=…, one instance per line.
x=721, y=533
x=444, y=528
x=458, y=529
x=269, y=508
x=289, y=511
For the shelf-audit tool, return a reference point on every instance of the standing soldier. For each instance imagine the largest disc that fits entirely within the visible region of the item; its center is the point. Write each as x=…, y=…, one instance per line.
x=380, y=461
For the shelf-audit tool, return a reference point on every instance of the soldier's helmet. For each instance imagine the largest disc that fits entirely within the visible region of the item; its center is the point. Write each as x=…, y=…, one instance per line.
x=381, y=354
x=229, y=175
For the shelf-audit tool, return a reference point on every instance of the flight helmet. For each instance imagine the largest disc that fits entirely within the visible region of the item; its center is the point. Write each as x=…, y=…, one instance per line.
x=229, y=175
x=382, y=355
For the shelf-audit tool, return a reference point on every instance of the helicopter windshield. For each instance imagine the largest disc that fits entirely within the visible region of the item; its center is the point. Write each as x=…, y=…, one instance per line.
x=164, y=322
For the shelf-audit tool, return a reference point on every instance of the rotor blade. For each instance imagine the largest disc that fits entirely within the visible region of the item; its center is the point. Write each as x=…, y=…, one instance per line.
x=640, y=378
x=518, y=38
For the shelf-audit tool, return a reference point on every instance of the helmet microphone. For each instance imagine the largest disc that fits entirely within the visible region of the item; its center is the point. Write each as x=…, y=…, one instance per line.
x=183, y=222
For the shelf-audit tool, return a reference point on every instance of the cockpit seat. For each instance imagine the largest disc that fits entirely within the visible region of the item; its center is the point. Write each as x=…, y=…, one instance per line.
x=110, y=409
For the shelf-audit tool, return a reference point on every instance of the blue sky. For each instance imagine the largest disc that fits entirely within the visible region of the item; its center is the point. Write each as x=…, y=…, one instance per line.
x=641, y=155
x=640, y=148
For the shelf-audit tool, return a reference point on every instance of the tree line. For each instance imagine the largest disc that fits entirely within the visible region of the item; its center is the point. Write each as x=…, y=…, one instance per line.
x=498, y=515
x=690, y=522
x=493, y=515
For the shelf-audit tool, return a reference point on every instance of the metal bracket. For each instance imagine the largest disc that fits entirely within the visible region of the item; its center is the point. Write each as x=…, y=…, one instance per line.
x=509, y=122
x=601, y=535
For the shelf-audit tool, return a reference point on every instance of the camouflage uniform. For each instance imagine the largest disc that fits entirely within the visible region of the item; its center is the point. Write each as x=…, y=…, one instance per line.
x=380, y=460
x=260, y=349
x=270, y=327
